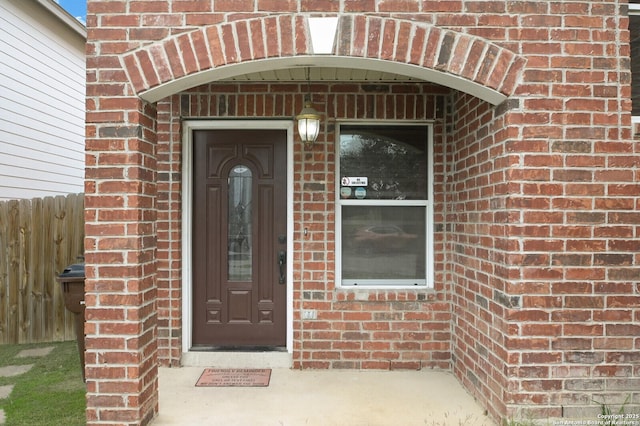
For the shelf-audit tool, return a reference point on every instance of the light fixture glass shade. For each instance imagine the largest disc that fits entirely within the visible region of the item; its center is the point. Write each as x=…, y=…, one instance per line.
x=308, y=123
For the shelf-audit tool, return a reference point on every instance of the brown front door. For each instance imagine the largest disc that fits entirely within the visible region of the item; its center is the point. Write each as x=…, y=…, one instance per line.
x=239, y=238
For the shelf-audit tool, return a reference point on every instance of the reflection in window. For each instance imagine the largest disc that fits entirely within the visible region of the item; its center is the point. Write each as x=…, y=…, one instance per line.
x=392, y=158
x=240, y=218
x=383, y=242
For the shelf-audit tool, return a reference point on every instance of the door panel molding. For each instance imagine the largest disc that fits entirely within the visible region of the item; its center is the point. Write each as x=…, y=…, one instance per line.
x=187, y=214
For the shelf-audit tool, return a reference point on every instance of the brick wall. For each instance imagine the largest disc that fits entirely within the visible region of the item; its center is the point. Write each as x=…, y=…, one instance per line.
x=544, y=200
x=354, y=329
x=536, y=301
x=478, y=214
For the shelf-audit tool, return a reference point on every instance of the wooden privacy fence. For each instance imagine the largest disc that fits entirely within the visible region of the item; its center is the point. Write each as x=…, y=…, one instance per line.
x=38, y=239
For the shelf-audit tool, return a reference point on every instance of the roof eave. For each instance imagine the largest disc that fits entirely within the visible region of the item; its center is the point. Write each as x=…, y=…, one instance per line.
x=64, y=16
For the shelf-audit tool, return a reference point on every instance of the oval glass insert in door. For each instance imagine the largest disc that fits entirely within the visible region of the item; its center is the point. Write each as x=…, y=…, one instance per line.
x=240, y=244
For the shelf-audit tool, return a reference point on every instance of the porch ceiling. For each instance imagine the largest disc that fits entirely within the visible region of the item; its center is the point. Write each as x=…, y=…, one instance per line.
x=324, y=68
x=322, y=74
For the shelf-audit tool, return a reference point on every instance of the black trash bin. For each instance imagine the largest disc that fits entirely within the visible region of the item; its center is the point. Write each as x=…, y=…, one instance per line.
x=72, y=281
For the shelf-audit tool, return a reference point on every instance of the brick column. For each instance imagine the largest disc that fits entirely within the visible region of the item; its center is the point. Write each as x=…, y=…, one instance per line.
x=120, y=248
x=544, y=216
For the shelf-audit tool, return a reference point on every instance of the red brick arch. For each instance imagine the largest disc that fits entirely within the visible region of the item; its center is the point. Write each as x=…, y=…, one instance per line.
x=447, y=57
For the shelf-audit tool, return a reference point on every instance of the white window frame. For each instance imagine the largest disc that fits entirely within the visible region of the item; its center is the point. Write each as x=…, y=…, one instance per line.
x=428, y=282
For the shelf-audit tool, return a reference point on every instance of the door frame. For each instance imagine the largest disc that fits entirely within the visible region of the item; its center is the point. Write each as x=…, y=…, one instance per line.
x=188, y=126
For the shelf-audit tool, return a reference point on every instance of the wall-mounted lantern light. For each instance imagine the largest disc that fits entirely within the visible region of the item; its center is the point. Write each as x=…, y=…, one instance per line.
x=308, y=119
x=308, y=123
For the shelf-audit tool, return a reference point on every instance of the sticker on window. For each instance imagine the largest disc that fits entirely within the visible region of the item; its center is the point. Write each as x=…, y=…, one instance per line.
x=345, y=192
x=354, y=181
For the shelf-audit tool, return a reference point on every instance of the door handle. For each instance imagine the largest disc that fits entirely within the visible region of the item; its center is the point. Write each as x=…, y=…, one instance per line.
x=282, y=261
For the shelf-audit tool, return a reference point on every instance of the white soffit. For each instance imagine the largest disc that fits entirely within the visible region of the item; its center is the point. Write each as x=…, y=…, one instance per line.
x=388, y=68
x=323, y=34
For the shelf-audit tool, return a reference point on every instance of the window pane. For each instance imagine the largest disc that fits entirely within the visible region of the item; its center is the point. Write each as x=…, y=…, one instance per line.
x=383, y=243
x=393, y=159
x=634, y=27
x=239, y=243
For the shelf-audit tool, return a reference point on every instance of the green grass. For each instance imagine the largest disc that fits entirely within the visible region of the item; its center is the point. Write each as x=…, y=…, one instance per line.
x=51, y=393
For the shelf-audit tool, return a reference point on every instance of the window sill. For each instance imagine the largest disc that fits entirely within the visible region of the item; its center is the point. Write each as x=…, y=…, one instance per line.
x=386, y=294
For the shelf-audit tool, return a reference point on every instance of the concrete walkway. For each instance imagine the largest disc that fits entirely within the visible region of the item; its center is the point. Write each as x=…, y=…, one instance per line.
x=322, y=398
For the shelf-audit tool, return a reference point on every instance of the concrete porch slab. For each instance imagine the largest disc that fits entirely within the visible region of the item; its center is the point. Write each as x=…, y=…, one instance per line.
x=322, y=398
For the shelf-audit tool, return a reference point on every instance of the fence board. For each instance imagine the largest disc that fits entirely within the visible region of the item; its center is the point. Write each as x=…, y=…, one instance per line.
x=13, y=273
x=39, y=238
x=36, y=276
x=24, y=299
x=58, y=302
